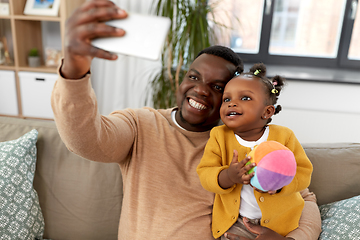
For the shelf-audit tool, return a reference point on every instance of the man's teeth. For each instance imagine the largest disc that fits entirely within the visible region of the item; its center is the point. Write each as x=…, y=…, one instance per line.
x=233, y=113
x=196, y=105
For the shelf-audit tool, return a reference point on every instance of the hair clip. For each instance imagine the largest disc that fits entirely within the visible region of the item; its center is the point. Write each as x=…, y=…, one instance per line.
x=236, y=74
x=274, y=91
x=257, y=71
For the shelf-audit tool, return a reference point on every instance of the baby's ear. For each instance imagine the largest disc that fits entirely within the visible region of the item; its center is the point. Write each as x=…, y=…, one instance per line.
x=268, y=112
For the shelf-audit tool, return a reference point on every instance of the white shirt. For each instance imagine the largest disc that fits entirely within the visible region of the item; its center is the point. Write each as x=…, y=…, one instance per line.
x=248, y=205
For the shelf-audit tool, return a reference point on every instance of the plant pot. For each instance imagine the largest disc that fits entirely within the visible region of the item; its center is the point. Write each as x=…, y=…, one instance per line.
x=34, y=61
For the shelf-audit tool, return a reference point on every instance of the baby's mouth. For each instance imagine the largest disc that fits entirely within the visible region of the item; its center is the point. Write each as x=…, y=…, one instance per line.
x=230, y=114
x=196, y=104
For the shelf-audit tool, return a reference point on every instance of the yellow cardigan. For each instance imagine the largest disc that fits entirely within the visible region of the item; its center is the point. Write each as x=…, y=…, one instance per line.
x=280, y=212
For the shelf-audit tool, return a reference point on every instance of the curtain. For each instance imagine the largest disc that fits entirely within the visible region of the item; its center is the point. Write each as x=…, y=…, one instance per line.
x=124, y=83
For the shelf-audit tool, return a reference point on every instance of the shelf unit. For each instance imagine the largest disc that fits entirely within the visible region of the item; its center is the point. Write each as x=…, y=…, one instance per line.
x=23, y=32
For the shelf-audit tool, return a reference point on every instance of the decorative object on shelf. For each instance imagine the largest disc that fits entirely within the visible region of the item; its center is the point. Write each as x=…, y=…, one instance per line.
x=4, y=9
x=53, y=57
x=34, y=58
x=8, y=60
x=42, y=7
x=2, y=53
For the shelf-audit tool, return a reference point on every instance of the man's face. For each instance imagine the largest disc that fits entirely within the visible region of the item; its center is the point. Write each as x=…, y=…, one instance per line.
x=200, y=94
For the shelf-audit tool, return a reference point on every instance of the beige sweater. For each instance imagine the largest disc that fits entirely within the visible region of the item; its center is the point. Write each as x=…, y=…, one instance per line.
x=163, y=197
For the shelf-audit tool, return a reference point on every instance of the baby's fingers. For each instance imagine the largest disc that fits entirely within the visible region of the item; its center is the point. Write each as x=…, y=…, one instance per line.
x=245, y=160
x=235, y=157
x=247, y=177
x=248, y=167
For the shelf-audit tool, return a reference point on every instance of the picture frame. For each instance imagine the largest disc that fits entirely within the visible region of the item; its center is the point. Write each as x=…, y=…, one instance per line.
x=4, y=9
x=52, y=57
x=42, y=7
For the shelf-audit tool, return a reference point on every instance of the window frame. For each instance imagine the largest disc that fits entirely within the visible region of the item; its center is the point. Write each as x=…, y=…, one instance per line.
x=340, y=62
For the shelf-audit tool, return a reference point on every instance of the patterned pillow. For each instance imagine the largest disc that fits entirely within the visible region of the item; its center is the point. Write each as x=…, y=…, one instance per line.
x=341, y=220
x=20, y=212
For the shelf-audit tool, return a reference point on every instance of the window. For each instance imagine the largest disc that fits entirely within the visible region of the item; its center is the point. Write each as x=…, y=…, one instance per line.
x=321, y=33
x=354, y=49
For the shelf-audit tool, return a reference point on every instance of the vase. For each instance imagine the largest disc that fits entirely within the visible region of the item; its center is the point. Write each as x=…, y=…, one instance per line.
x=34, y=61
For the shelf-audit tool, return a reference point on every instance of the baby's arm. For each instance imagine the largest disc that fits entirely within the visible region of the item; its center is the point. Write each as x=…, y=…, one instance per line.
x=236, y=173
x=212, y=165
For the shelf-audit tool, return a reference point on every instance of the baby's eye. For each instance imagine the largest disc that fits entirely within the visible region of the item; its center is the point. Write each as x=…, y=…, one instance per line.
x=226, y=99
x=245, y=98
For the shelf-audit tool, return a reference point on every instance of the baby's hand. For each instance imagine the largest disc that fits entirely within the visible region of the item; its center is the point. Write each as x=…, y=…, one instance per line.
x=271, y=192
x=238, y=171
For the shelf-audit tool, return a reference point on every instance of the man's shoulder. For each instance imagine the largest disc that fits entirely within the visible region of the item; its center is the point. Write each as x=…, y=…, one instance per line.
x=145, y=112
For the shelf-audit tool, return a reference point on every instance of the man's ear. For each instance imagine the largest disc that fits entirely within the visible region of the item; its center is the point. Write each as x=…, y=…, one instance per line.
x=268, y=112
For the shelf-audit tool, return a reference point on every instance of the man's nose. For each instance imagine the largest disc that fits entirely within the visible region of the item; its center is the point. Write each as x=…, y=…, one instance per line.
x=202, y=89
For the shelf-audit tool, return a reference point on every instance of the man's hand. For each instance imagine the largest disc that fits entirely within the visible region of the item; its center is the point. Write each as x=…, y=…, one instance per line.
x=263, y=233
x=85, y=24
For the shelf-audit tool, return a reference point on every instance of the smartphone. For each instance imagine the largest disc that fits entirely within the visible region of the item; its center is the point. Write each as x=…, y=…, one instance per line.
x=144, y=38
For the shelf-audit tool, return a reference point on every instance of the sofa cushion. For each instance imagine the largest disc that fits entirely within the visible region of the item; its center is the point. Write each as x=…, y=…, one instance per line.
x=336, y=170
x=20, y=212
x=80, y=199
x=341, y=220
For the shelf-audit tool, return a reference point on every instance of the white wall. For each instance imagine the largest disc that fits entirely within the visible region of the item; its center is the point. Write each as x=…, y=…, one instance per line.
x=321, y=112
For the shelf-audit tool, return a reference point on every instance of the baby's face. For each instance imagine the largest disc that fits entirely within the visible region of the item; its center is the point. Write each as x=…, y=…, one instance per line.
x=243, y=105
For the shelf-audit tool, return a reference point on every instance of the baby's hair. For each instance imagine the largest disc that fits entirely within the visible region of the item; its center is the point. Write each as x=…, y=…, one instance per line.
x=272, y=86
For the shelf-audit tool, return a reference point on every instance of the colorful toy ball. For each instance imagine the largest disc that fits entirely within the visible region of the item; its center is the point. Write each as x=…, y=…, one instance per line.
x=275, y=166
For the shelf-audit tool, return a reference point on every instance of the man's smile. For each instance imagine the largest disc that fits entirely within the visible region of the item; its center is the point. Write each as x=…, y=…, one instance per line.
x=196, y=104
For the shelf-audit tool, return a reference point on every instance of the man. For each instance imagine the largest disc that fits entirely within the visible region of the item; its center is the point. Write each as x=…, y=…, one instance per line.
x=157, y=150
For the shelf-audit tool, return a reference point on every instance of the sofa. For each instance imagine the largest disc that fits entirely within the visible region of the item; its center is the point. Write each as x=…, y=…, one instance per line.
x=80, y=199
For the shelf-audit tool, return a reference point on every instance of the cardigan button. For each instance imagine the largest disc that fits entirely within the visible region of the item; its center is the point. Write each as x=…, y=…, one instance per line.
x=266, y=221
x=262, y=199
x=233, y=217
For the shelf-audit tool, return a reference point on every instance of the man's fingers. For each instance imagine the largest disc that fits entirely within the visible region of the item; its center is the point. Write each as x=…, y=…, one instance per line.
x=256, y=229
x=93, y=30
x=96, y=11
x=234, y=237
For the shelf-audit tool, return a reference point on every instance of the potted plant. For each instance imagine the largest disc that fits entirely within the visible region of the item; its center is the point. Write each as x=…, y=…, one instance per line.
x=190, y=33
x=193, y=27
x=34, y=58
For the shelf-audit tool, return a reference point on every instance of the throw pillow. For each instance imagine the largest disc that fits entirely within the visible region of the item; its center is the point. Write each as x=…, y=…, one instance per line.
x=20, y=214
x=341, y=219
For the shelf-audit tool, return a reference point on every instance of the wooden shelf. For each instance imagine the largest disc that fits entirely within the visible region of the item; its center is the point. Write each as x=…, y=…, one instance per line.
x=37, y=18
x=24, y=32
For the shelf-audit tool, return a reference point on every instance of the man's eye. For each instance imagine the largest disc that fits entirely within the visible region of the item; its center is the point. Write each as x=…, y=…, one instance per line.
x=245, y=98
x=218, y=88
x=226, y=99
x=193, y=77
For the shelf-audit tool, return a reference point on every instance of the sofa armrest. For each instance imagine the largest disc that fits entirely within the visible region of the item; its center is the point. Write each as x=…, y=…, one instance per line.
x=79, y=199
x=336, y=170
